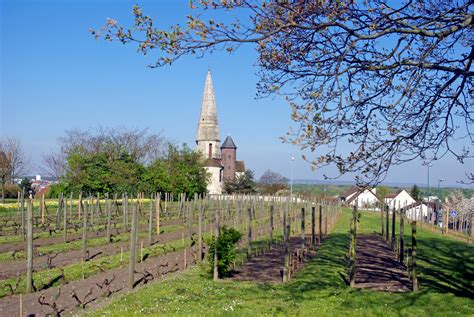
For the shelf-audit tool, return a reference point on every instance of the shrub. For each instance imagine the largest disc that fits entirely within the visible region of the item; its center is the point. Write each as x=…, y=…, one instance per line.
x=11, y=191
x=228, y=237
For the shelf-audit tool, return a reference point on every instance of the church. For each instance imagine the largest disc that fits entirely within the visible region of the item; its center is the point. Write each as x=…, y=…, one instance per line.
x=221, y=160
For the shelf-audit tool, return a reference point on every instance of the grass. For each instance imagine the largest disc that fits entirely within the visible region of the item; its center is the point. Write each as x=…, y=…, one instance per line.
x=445, y=269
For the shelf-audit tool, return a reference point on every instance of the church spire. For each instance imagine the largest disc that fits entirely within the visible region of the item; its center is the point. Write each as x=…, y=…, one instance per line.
x=208, y=137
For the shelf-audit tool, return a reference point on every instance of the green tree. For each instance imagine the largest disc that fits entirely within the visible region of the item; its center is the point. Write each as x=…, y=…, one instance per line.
x=391, y=79
x=382, y=191
x=415, y=193
x=181, y=171
x=242, y=184
x=225, y=247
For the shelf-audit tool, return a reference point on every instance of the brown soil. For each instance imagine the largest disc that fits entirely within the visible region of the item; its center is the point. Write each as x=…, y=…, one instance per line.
x=377, y=267
x=13, y=268
x=268, y=267
x=10, y=247
x=152, y=268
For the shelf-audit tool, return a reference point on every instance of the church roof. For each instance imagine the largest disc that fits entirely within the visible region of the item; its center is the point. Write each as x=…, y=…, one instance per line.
x=208, y=126
x=240, y=166
x=213, y=162
x=228, y=143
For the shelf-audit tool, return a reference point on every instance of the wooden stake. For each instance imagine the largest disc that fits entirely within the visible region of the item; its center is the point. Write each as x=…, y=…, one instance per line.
x=29, y=247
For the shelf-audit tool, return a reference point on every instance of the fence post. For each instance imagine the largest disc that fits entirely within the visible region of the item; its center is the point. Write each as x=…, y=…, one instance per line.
x=352, y=263
x=150, y=220
x=413, y=257
x=286, y=268
x=65, y=220
x=387, y=220
x=109, y=217
x=29, y=247
x=381, y=218
x=216, y=258
x=313, y=223
x=271, y=224
x=303, y=231
x=393, y=228
x=401, y=248
x=84, y=233
x=249, y=234
x=320, y=223
x=133, y=248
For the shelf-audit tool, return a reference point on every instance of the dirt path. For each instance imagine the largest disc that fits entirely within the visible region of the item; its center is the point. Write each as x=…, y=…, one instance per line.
x=268, y=267
x=377, y=268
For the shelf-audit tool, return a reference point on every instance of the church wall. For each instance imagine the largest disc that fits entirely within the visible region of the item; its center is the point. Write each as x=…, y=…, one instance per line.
x=214, y=187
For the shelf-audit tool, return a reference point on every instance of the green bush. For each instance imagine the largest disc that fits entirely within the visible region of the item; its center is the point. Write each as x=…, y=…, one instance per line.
x=226, y=254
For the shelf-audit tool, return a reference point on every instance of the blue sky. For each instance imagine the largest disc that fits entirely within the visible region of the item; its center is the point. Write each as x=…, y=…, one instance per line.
x=55, y=76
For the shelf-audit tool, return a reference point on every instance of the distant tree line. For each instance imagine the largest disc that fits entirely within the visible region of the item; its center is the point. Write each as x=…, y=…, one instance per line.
x=124, y=161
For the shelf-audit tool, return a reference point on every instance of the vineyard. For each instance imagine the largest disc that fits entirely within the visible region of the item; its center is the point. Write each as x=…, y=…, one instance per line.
x=65, y=255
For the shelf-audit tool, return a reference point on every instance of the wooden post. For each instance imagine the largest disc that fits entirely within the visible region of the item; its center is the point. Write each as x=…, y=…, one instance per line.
x=158, y=210
x=22, y=211
x=303, y=230
x=326, y=221
x=109, y=218
x=42, y=209
x=133, y=248
x=313, y=224
x=394, y=239
x=271, y=224
x=381, y=219
x=65, y=221
x=29, y=247
x=413, y=257
x=200, y=211
x=150, y=221
x=286, y=268
x=352, y=263
x=79, y=206
x=401, y=248
x=249, y=234
x=320, y=223
x=216, y=258
x=84, y=233
x=386, y=223
x=125, y=212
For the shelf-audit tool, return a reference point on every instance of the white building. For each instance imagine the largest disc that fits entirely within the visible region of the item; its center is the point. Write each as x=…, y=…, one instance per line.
x=362, y=197
x=399, y=200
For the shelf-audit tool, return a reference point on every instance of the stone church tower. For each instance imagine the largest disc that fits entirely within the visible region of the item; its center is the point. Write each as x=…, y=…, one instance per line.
x=208, y=138
x=219, y=165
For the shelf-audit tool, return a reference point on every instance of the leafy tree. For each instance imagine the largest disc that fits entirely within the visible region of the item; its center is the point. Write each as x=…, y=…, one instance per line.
x=25, y=185
x=181, y=171
x=415, y=193
x=392, y=80
x=382, y=191
x=271, y=182
x=242, y=184
x=225, y=247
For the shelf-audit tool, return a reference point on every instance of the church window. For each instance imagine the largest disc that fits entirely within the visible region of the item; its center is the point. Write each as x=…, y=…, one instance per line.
x=210, y=150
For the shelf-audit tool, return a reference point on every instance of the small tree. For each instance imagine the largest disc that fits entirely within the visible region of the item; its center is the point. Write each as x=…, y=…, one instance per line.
x=415, y=193
x=382, y=191
x=242, y=184
x=271, y=182
x=225, y=247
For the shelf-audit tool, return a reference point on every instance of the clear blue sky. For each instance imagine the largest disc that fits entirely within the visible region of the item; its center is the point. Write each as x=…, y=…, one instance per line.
x=55, y=76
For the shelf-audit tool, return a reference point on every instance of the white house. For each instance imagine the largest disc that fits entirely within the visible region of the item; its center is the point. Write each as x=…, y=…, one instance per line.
x=399, y=200
x=363, y=197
